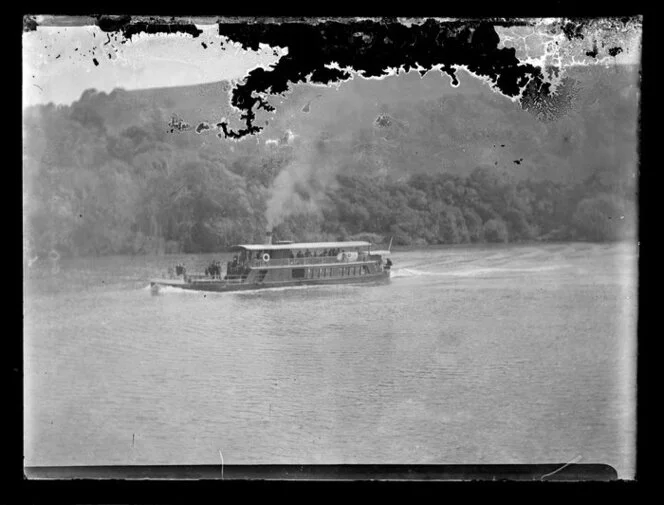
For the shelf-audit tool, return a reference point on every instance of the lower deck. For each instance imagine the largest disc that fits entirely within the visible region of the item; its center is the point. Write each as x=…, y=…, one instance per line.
x=220, y=285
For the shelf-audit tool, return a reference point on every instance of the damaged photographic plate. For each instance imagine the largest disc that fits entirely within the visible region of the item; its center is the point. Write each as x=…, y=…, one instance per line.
x=330, y=248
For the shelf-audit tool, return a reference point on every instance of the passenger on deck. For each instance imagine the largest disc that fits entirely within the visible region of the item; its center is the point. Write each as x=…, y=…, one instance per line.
x=292, y=255
x=307, y=254
x=300, y=255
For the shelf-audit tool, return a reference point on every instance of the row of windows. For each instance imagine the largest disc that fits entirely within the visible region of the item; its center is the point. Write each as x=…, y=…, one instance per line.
x=322, y=273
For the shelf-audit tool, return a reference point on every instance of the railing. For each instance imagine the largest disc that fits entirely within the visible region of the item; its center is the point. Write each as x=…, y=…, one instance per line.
x=230, y=279
x=306, y=261
x=201, y=277
x=235, y=279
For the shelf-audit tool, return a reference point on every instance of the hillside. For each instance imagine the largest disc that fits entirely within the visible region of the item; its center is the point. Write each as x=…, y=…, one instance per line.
x=107, y=174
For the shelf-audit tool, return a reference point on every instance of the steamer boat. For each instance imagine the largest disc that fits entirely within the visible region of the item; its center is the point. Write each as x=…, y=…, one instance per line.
x=284, y=263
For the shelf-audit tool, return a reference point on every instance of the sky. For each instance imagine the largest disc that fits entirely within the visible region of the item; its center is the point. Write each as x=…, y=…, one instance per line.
x=58, y=61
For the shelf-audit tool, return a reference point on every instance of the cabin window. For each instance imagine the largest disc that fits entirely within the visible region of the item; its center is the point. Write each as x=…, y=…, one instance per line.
x=297, y=273
x=354, y=271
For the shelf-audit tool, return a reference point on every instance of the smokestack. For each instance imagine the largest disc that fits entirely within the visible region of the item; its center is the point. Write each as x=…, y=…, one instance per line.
x=268, y=237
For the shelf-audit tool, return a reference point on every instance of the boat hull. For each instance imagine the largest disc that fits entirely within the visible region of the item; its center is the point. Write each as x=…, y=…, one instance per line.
x=224, y=286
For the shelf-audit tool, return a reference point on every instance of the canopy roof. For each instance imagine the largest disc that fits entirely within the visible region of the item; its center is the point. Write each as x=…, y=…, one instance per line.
x=300, y=245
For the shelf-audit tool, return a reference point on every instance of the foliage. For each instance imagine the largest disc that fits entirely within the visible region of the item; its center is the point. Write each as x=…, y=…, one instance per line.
x=94, y=188
x=602, y=217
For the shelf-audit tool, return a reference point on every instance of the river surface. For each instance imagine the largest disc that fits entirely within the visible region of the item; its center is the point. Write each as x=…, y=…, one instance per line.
x=505, y=354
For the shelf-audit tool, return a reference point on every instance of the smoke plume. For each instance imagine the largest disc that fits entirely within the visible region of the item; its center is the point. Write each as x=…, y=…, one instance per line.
x=301, y=186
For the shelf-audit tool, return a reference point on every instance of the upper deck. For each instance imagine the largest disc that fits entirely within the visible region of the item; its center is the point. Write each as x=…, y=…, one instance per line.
x=302, y=254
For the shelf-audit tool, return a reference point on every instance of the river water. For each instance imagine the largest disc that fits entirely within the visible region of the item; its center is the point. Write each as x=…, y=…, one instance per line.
x=505, y=354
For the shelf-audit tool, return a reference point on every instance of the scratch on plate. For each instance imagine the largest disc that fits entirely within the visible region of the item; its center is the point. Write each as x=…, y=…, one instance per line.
x=575, y=460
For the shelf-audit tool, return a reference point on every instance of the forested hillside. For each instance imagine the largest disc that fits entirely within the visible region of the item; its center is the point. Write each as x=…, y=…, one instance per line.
x=405, y=157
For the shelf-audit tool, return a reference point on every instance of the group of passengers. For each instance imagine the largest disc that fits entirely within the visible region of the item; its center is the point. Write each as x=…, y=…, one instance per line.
x=214, y=269
x=316, y=254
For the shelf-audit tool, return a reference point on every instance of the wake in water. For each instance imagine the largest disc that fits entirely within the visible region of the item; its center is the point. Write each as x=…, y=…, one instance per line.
x=173, y=289
x=471, y=272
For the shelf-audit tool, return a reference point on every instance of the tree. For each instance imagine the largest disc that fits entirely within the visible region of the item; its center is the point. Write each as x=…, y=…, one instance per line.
x=518, y=225
x=602, y=218
x=495, y=230
x=474, y=225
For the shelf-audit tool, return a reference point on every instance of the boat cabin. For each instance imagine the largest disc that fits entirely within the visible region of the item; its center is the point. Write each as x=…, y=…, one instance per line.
x=285, y=262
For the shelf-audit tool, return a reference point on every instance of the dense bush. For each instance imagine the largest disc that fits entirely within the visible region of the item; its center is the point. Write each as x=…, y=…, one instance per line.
x=495, y=230
x=602, y=217
x=94, y=190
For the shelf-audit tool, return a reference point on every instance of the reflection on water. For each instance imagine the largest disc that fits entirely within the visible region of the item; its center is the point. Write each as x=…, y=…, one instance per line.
x=509, y=354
